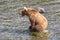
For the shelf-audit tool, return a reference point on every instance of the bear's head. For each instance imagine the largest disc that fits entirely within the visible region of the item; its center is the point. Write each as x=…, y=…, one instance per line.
x=28, y=11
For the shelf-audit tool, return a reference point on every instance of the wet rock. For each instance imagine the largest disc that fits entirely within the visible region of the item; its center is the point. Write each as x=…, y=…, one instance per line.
x=40, y=9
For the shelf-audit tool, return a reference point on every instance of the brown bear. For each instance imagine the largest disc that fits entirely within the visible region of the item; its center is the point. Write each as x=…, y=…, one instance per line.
x=38, y=22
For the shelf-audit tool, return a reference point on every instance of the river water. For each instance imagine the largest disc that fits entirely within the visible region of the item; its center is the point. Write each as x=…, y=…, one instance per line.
x=15, y=27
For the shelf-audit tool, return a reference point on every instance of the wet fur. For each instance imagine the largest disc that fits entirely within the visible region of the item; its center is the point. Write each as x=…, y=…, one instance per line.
x=38, y=21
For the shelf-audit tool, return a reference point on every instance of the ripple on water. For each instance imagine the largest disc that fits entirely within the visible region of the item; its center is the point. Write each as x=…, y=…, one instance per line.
x=13, y=36
x=55, y=36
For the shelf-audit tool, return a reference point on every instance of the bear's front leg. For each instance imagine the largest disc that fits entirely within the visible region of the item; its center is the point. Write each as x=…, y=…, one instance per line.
x=32, y=21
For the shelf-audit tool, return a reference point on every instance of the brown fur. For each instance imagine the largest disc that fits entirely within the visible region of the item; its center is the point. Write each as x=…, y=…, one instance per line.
x=38, y=21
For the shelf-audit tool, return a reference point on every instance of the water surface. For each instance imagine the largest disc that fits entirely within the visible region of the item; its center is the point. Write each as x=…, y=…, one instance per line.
x=15, y=27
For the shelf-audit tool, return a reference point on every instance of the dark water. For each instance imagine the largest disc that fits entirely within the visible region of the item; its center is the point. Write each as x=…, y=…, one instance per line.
x=14, y=27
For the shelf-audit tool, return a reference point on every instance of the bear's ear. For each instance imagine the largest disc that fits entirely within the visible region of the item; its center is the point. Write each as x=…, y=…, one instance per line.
x=25, y=8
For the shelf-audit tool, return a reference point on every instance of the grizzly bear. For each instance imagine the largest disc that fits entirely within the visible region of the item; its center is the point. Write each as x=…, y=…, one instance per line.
x=38, y=22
